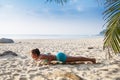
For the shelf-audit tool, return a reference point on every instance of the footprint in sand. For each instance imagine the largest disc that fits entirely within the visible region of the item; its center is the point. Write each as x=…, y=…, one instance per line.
x=38, y=78
x=63, y=75
x=23, y=77
x=32, y=71
x=16, y=76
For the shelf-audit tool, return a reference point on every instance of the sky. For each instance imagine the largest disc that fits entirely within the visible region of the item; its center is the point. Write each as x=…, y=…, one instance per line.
x=76, y=17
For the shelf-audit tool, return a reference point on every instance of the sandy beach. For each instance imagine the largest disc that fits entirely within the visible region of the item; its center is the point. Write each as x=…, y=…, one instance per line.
x=22, y=67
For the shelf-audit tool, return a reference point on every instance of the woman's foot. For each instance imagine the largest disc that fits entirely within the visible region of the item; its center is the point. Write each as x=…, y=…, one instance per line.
x=93, y=60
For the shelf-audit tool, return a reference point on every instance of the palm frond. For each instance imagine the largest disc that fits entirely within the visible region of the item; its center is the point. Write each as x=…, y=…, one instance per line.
x=112, y=17
x=111, y=10
x=58, y=1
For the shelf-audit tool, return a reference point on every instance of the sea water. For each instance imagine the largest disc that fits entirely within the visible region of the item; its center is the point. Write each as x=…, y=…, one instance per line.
x=39, y=36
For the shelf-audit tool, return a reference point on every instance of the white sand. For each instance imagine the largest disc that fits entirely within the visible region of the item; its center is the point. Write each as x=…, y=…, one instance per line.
x=24, y=68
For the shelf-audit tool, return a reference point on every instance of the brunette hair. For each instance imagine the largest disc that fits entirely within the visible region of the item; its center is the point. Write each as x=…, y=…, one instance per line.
x=36, y=51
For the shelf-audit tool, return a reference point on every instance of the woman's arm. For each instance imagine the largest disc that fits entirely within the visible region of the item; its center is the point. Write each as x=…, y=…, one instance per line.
x=49, y=58
x=43, y=59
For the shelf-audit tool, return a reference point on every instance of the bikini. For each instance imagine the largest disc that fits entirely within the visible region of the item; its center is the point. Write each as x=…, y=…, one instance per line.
x=60, y=56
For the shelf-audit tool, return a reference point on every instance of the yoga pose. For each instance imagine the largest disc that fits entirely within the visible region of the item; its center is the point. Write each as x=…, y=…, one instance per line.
x=60, y=56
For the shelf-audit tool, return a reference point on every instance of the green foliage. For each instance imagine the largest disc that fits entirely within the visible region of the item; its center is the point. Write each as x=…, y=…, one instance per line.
x=112, y=17
x=58, y=1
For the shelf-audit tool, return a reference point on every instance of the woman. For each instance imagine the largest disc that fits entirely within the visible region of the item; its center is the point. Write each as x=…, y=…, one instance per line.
x=60, y=56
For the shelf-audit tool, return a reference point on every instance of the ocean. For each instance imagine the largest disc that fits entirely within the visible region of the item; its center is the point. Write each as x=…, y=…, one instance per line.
x=39, y=36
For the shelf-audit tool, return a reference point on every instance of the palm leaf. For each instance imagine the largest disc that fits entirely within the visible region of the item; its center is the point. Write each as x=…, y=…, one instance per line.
x=58, y=1
x=112, y=17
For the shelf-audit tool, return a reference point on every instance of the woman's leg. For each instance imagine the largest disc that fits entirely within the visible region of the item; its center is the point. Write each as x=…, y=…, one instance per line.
x=73, y=59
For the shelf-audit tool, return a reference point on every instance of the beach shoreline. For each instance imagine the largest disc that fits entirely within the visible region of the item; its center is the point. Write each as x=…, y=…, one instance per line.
x=22, y=67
